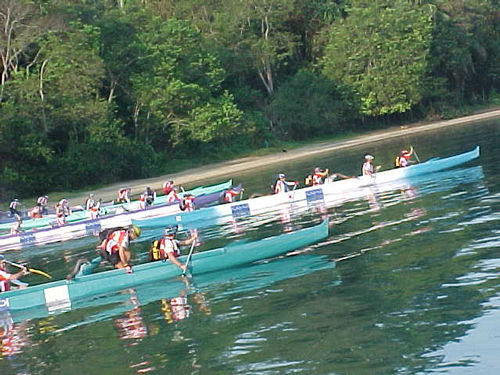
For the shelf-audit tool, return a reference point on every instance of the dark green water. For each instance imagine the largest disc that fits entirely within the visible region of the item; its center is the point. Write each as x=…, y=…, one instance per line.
x=417, y=294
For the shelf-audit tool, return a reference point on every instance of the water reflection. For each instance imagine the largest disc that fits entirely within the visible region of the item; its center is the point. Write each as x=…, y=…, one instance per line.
x=131, y=325
x=13, y=336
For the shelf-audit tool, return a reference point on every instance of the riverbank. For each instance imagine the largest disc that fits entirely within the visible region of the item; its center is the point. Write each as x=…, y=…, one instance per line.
x=223, y=170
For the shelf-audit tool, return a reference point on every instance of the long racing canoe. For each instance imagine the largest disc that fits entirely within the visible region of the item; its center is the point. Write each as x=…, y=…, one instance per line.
x=88, y=227
x=309, y=196
x=62, y=294
x=239, y=279
x=50, y=220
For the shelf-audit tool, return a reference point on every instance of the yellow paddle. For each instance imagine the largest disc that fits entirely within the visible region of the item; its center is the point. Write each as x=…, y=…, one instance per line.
x=31, y=270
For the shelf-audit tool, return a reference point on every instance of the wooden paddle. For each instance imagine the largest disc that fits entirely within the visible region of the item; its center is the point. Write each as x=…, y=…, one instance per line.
x=31, y=270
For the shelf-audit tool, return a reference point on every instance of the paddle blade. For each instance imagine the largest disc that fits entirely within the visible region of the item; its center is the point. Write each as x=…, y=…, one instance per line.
x=33, y=270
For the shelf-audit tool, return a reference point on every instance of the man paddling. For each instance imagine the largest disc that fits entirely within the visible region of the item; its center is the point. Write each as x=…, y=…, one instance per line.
x=403, y=159
x=368, y=169
x=168, y=247
x=114, y=248
x=6, y=277
x=319, y=175
x=283, y=186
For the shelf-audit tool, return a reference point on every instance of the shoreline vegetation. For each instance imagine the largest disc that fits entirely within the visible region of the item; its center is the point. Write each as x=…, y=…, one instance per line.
x=196, y=176
x=94, y=93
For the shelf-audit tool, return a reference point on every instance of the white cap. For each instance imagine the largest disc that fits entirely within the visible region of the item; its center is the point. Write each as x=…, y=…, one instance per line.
x=369, y=157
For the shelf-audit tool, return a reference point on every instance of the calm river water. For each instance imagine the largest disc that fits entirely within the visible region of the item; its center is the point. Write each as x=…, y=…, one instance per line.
x=416, y=290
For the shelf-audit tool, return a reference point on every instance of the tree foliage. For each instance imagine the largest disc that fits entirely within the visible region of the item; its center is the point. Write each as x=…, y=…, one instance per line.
x=93, y=92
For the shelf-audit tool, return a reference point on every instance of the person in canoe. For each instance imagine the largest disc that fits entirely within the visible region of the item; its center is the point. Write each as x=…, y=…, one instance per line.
x=170, y=190
x=36, y=212
x=283, y=186
x=94, y=209
x=186, y=204
x=147, y=198
x=123, y=195
x=60, y=214
x=319, y=175
x=229, y=195
x=13, y=208
x=114, y=247
x=368, y=169
x=167, y=247
x=16, y=227
x=167, y=187
x=6, y=277
x=42, y=202
x=403, y=159
x=89, y=203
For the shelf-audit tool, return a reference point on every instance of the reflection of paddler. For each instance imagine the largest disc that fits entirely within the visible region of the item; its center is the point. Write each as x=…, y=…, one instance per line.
x=12, y=337
x=175, y=309
x=131, y=325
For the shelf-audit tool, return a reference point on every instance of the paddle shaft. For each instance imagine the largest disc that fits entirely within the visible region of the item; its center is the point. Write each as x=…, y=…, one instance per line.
x=189, y=257
x=416, y=155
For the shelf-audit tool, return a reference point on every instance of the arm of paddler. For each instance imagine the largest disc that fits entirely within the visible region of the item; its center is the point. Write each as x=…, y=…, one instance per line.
x=20, y=284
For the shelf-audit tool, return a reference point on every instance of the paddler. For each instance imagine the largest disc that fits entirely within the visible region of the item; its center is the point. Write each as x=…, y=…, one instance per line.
x=6, y=277
x=403, y=159
x=186, y=204
x=168, y=247
x=170, y=190
x=282, y=186
x=89, y=203
x=229, y=195
x=114, y=248
x=123, y=195
x=168, y=186
x=13, y=208
x=42, y=201
x=16, y=227
x=147, y=198
x=319, y=175
x=36, y=212
x=368, y=169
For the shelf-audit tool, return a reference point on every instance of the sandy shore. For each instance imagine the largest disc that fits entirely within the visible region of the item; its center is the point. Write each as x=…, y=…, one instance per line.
x=224, y=169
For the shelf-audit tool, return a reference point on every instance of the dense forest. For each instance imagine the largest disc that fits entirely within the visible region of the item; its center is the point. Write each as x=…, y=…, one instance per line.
x=98, y=91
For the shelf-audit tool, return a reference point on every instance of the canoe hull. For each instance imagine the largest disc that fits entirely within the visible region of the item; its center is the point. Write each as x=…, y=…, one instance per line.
x=60, y=294
x=89, y=227
x=309, y=196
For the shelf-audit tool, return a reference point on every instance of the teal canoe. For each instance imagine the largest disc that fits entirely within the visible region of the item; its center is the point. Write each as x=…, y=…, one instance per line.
x=239, y=279
x=77, y=216
x=62, y=294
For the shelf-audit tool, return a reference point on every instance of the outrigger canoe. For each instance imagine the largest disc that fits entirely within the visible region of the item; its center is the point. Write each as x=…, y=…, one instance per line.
x=312, y=196
x=62, y=294
x=241, y=279
x=88, y=227
x=50, y=220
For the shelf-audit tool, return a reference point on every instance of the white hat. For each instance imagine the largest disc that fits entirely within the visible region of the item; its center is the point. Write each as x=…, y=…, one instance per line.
x=369, y=157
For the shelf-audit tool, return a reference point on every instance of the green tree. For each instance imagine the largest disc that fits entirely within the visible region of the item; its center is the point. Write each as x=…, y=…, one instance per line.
x=380, y=50
x=310, y=105
x=178, y=86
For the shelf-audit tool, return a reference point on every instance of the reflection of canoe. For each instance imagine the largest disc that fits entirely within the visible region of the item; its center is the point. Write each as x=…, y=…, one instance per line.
x=116, y=208
x=61, y=294
x=241, y=279
x=90, y=227
x=310, y=196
